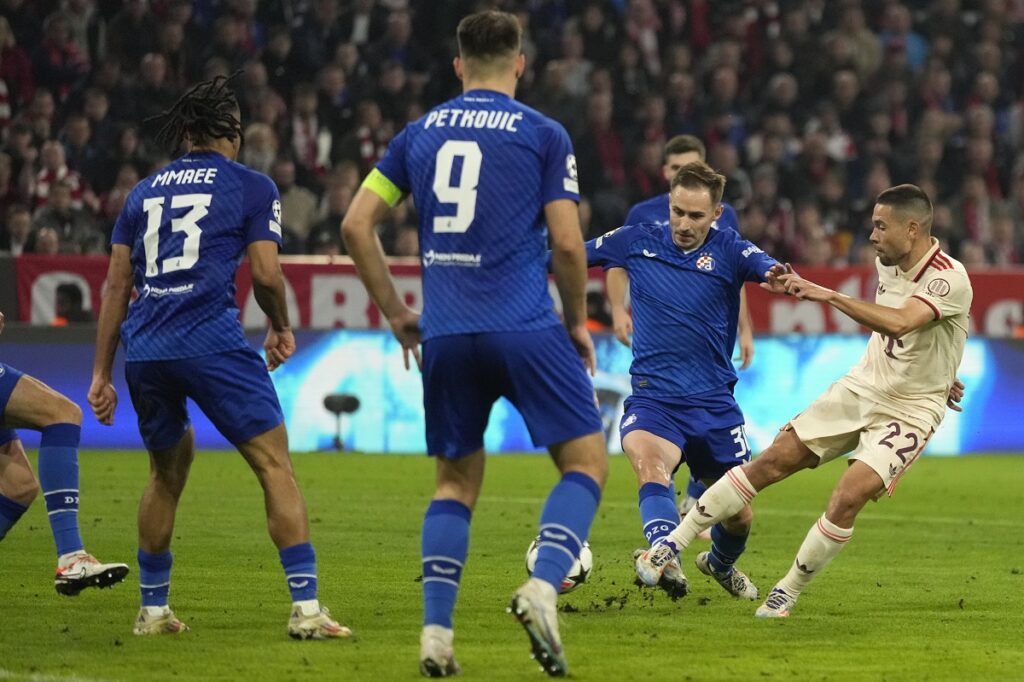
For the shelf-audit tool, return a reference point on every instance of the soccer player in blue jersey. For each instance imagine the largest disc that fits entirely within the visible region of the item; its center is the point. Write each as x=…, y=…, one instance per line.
x=28, y=403
x=487, y=173
x=179, y=239
x=679, y=151
x=685, y=280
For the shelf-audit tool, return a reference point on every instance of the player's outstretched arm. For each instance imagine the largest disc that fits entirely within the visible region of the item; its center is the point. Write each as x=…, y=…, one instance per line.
x=102, y=396
x=268, y=289
x=892, y=322
x=357, y=229
x=569, y=263
x=617, y=284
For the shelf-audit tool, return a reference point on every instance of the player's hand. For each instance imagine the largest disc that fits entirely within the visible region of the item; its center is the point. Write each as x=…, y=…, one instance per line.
x=771, y=278
x=805, y=290
x=103, y=400
x=956, y=394
x=406, y=328
x=746, y=355
x=279, y=346
x=622, y=325
x=580, y=337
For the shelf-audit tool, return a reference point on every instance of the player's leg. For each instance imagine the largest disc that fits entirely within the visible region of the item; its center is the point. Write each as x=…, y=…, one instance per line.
x=654, y=458
x=543, y=377
x=444, y=548
x=32, y=404
x=235, y=392
x=829, y=427
x=886, y=450
x=457, y=397
x=18, y=486
x=694, y=489
x=727, y=497
x=168, y=473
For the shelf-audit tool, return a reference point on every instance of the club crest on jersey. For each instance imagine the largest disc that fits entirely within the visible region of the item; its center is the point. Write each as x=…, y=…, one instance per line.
x=938, y=287
x=706, y=262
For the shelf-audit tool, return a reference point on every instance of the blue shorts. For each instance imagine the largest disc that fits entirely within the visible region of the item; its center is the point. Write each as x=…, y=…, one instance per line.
x=233, y=390
x=538, y=371
x=711, y=435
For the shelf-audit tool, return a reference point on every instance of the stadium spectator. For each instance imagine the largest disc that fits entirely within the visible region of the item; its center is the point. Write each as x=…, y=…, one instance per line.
x=16, y=238
x=55, y=170
x=57, y=63
x=46, y=242
x=298, y=204
x=130, y=34
x=76, y=227
x=261, y=148
x=69, y=308
x=15, y=69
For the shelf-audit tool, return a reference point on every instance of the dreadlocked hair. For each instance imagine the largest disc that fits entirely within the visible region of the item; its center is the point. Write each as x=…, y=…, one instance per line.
x=206, y=112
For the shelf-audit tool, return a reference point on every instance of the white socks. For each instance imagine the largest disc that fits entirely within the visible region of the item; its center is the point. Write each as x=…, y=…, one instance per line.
x=726, y=497
x=823, y=542
x=308, y=607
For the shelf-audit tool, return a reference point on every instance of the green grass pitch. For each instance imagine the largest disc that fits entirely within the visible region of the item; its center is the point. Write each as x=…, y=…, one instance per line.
x=930, y=588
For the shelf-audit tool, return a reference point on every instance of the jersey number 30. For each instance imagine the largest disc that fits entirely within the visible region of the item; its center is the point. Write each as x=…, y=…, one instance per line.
x=463, y=194
x=198, y=205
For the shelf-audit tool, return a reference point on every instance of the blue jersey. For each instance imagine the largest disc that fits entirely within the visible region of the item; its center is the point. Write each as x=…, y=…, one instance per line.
x=656, y=210
x=684, y=305
x=480, y=168
x=187, y=227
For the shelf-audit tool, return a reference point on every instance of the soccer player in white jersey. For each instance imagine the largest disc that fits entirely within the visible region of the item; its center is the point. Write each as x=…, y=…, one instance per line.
x=883, y=410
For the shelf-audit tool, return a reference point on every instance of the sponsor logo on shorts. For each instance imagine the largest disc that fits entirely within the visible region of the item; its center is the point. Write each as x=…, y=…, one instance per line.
x=938, y=287
x=3, y=370
x=158, y=292
x=631, y=419
x=465, y=260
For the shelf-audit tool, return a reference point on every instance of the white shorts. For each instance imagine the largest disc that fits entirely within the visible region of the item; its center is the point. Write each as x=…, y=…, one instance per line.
x=840, y=421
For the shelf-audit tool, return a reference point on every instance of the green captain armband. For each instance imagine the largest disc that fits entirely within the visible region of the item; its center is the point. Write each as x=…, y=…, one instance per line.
x=379, y=184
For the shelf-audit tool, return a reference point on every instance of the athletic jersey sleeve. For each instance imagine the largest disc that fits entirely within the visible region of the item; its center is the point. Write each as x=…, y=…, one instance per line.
x=633, y=217
x=261, y=210
x=124, y=226
x=752, y=262
x=611, y=249
x=947, y=292
x=561, y=179
x=390, y=179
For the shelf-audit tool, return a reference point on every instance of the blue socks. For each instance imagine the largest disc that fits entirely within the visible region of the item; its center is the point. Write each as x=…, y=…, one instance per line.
x=657, y=511
x=565, y=525
x=155, y=577
x=445, y=543
x=299, y=563
x=695, y=489
x=725, y=549
x=10, y=512
x=58, y=476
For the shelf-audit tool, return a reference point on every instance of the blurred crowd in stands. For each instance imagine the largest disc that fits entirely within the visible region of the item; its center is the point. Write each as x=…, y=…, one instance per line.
x=809, y=108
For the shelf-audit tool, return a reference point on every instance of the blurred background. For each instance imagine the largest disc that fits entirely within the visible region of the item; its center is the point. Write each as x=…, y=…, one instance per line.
x=809, y=108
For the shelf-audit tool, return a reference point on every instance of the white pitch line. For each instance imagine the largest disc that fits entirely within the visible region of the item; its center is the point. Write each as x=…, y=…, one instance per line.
x=809, y=514
x=6, y=674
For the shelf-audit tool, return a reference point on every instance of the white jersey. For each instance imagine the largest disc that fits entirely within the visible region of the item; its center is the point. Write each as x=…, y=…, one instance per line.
x=913, y=375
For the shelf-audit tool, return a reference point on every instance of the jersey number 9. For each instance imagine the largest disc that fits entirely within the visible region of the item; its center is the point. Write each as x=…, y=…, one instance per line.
x=463, y=194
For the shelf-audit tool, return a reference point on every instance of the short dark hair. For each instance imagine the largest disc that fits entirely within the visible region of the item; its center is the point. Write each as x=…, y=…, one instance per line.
x=684, y=144
x=911, y=199
x=699, y=175
x=489, y=35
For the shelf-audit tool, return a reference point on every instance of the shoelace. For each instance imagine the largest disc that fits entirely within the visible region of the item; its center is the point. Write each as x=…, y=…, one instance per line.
x=776, y=600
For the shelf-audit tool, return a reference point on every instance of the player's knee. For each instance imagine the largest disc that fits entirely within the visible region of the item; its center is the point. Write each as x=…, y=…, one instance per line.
x=62, y=410
x=23, y=491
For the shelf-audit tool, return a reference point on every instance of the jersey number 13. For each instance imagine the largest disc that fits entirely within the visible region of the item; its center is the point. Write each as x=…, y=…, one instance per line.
x=198, y=205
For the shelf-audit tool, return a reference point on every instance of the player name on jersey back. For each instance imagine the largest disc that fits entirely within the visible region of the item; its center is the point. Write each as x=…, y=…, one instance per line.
x=185, y=176
x=474, y=118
